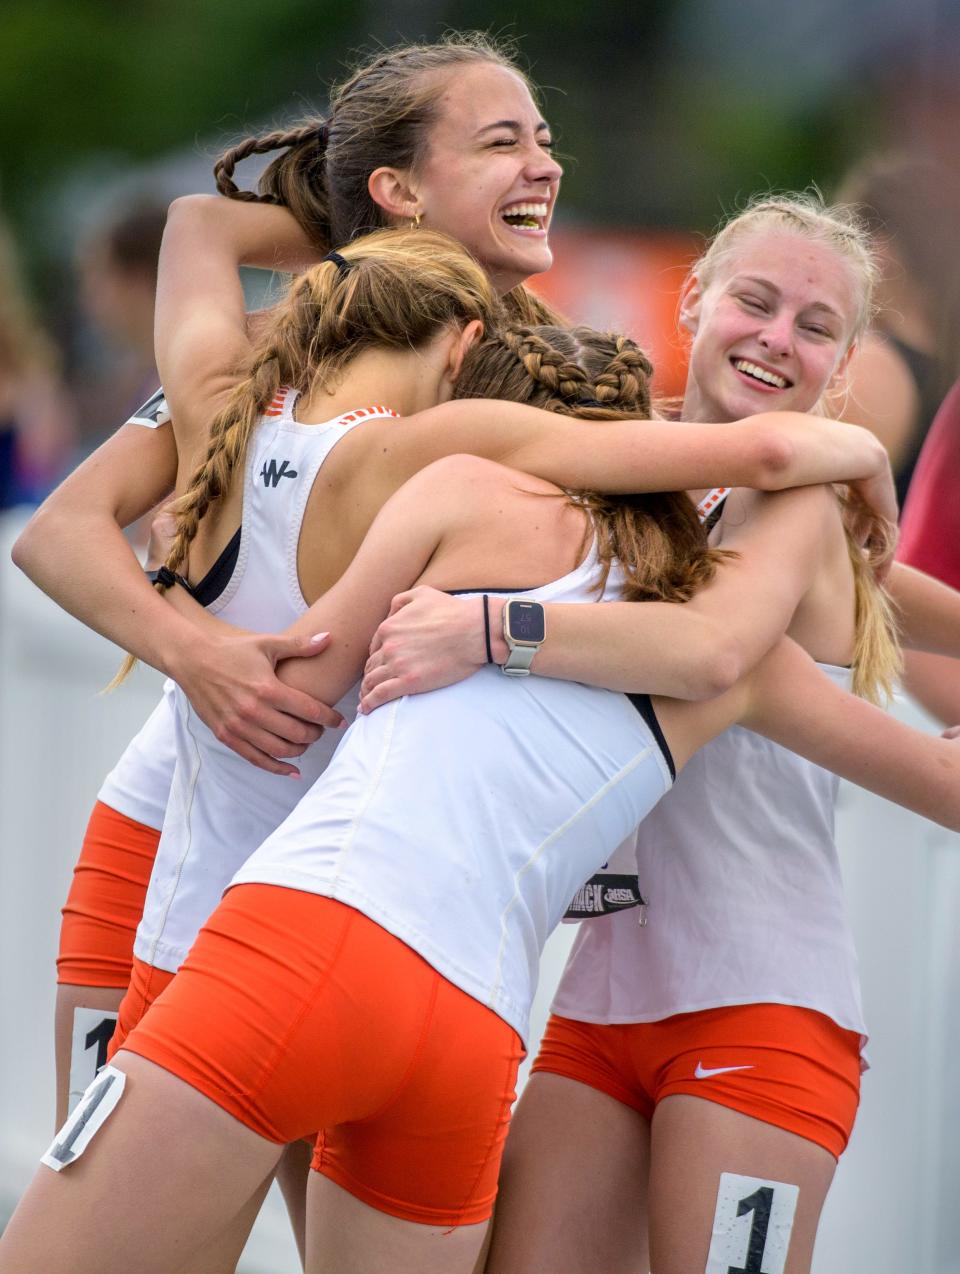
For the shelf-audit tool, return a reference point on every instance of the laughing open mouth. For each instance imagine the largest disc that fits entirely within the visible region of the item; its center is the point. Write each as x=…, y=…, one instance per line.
x=525, y=216
x=746, y=368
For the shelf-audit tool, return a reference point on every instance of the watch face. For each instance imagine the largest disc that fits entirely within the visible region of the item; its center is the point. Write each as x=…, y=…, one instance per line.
x=525, y=620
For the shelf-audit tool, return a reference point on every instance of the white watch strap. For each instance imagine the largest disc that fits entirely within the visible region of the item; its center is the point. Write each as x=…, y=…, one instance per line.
x=519, y=661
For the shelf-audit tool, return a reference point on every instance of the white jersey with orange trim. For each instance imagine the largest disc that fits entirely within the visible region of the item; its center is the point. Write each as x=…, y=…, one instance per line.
x=744, y=897
x=462, y=820
x=220, y=806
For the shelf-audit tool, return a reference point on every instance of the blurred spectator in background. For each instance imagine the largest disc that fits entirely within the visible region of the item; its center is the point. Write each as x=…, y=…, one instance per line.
x=930, y=541
x=117, y=265
x=911, y=357
x=36, y=421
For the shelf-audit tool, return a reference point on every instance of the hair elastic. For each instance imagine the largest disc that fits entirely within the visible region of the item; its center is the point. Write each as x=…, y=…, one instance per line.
x=342, y=264
x=589, y=402
x=167, y=578
x=486, y=627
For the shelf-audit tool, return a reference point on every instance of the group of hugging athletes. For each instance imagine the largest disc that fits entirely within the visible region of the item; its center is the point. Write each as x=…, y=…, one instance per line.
x=410, y=474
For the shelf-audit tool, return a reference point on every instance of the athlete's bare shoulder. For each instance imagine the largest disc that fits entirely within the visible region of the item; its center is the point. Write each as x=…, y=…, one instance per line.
x=818, y=504
x=480, y=478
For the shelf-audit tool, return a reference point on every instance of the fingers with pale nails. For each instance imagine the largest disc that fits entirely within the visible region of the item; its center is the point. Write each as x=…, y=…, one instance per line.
x=235, y=691
x=428, y=640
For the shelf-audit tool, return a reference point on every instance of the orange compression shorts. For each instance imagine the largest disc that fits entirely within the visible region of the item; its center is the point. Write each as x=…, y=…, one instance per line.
x=788, y=1066
x=105, y=902
x=295, y=1012
x=146, y=983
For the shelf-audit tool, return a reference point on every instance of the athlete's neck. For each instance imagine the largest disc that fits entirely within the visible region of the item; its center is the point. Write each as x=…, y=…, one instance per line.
x=404, y=380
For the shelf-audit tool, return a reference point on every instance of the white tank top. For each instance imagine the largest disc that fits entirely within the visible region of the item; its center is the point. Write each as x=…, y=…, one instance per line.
x=744, y=897
x=464, y=819
x=220, y=806
x=138, y=786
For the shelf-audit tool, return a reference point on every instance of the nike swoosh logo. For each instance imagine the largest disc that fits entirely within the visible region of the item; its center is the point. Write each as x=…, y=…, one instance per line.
x=703, y=1073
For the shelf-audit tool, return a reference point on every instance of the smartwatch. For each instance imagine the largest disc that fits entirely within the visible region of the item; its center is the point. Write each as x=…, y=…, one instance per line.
x=524, y=628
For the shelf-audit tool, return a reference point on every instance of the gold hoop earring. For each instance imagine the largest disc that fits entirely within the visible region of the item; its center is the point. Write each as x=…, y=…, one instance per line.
x=415, y=223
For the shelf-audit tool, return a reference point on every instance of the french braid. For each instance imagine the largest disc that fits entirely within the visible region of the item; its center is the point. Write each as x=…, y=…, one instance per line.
x=656, y=538
x=560, y=375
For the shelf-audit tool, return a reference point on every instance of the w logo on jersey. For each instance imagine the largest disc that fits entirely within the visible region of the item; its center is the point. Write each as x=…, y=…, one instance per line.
x=272, y=474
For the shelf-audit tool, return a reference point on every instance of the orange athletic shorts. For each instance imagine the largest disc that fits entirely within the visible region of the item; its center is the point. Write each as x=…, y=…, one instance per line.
x=294, y=1012
x=788, y=1066
x=105, y=902
x=146, y=983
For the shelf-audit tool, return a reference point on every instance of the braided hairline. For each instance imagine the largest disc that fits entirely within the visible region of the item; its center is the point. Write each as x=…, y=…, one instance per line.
x=623, y=379
x=551, y=368
x=625, y=376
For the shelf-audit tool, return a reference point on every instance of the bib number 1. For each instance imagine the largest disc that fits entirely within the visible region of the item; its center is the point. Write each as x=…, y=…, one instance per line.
x=752, y=1226
x=92, y=1031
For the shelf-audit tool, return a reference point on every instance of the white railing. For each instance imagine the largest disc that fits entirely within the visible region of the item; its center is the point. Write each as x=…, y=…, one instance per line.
x=891, y=1208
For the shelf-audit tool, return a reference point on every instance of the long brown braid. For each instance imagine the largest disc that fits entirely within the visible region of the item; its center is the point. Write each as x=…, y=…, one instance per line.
x=656, y=537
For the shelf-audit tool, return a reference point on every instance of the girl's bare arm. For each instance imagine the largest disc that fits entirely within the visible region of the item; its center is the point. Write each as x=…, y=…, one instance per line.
x=693, y=651
x=929, y=611
x=200, y=328
x=794, y=704
x=74, y=549
x=769, y=452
